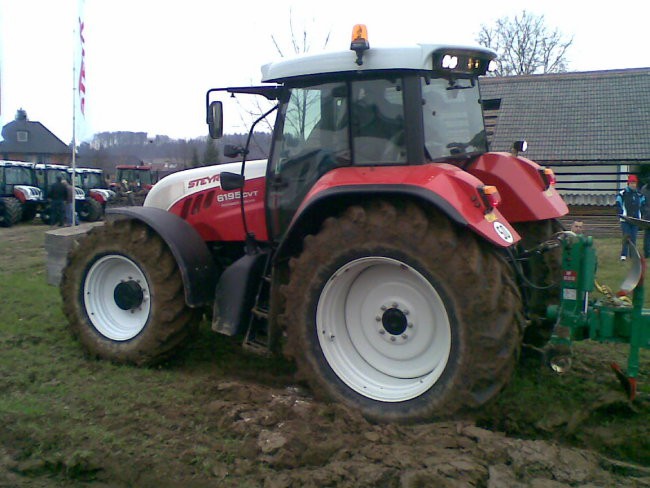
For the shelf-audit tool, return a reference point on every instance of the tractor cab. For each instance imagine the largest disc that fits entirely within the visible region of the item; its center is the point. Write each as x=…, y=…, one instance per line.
x=46, y=176
x=385, y=108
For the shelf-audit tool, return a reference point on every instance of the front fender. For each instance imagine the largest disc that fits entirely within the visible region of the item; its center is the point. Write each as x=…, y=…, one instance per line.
x=198, y=270
x=524, y=196
x=447, y=188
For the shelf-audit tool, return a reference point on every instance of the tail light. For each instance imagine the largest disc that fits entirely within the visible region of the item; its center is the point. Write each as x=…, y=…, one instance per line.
x=490, y=196
x=548, y=177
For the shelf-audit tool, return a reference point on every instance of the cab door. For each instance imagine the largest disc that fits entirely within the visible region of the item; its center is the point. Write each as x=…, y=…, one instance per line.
x=312, y=138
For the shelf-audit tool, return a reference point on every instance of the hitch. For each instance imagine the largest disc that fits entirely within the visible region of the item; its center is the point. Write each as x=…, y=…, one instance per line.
x=612, y=319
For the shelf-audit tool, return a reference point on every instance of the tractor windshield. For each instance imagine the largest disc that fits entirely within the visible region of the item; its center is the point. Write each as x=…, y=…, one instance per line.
x=91, y=180
x=453, y=119
x=16, y=175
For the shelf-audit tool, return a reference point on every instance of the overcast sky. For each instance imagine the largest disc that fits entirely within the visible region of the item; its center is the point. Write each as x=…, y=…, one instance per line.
x=149, y=62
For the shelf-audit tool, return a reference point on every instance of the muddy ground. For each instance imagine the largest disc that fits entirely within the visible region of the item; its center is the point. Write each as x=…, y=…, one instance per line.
x=237, y=431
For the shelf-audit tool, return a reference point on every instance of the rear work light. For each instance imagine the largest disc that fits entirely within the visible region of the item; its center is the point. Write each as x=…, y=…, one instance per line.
x=548, y=177
x=490, y=196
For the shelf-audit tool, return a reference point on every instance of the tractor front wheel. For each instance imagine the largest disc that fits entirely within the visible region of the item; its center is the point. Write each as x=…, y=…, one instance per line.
x=10, y=211
x=123, y=295
x=401, y=315
x=90, y=210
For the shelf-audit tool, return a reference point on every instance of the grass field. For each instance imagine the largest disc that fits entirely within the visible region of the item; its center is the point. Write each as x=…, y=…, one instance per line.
x=65, y=418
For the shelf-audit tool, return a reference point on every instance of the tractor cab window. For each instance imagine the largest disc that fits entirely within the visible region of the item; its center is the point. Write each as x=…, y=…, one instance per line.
x=314, y=137
x=314, y=140
x=18, y=176
x=452, y=117
x=378, y=122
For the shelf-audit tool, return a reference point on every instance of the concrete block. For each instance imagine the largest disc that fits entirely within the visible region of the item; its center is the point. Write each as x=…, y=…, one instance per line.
x=58, y=243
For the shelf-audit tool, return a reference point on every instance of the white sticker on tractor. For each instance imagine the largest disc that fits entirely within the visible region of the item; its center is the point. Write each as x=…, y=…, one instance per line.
x=503, y=232
x=569, y=294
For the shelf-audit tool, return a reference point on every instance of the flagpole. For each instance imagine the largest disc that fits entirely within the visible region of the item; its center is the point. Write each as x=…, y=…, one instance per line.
x=74, y=126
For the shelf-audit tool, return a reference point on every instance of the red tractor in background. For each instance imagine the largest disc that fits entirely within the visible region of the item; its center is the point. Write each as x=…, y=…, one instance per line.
x=382, y=245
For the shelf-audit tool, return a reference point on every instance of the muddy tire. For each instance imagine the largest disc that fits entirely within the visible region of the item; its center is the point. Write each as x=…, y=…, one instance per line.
x=123, y=295
x=90, y=210
x=401, y=315
x=11, y=211
x=545, y=272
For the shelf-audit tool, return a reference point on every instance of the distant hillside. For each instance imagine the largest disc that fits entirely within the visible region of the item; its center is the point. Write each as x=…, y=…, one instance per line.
x=108, y=149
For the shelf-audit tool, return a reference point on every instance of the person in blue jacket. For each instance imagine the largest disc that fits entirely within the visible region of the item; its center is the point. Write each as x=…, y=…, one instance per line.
x=630, y=201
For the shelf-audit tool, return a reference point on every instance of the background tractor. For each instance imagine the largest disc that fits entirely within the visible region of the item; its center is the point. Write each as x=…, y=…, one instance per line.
x=20, y=198
x=45, y=177
x=382, y=246
x=93, y=183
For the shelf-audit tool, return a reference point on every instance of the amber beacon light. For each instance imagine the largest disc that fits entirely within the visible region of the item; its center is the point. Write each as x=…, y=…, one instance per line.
x=360, y=42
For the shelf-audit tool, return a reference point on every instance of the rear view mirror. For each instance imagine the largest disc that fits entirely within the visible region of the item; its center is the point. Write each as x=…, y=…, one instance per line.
x=215, y=120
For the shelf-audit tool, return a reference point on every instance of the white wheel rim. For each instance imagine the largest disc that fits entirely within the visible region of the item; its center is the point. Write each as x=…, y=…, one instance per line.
x=388, y=364
x=110, y=320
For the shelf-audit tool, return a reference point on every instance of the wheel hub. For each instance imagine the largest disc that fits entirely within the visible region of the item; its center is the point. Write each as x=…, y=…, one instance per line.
x=128, y=295
x=394, y=321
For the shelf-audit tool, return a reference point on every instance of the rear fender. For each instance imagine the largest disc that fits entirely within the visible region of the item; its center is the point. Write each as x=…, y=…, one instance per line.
x=524, y=195
x=446, y=188
x=197, y=267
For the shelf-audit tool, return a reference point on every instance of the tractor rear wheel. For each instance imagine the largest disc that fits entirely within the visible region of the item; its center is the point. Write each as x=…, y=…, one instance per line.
x=544, y=272
x=123, y=295
x=90, y=210
x=401, y=315
x=11, y=211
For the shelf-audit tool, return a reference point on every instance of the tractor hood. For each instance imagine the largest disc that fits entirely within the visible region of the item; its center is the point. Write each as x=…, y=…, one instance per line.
x=26, y=193
x=177, y=186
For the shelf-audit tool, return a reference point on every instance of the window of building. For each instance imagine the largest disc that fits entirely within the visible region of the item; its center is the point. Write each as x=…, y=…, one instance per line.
x=22, y=136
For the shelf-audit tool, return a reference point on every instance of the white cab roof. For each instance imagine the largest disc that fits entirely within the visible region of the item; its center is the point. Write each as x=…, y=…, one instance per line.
x=417, y=57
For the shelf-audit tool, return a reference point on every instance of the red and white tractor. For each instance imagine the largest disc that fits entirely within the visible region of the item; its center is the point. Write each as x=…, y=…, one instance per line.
x=381, y=245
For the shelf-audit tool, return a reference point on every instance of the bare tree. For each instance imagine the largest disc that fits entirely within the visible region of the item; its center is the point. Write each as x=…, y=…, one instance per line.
x=525, y=45
x=299, y=42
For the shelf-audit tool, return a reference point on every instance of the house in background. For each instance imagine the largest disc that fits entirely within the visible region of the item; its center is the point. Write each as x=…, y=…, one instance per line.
x=592, y=128
x=25, y=140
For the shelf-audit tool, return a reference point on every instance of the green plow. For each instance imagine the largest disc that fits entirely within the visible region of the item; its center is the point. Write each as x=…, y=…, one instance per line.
x=613, y=318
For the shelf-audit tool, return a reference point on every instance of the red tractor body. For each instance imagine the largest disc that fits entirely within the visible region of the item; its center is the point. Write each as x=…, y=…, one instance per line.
x=382, y=245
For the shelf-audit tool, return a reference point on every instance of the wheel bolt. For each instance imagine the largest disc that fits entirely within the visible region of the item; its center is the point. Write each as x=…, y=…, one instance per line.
x=405, y=336
x=395, y=305
x=410, y=325
x=384, y=308
x=392, y=339
x=378, y=318
x=382, y=331
x=405, y=311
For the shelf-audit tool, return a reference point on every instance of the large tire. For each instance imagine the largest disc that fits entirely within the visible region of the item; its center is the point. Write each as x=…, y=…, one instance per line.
x=401, y=315
x=544, y=275
x=90, y=210
x=123, y=295
x=11, y=211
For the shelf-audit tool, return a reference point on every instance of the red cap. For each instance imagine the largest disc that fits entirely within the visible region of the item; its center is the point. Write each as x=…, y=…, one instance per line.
x=632, y=179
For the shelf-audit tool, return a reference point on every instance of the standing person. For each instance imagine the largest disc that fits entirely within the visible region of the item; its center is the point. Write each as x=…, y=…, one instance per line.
x=69, y=199
x=630, y=201
x=58, y=193
x=645, y=215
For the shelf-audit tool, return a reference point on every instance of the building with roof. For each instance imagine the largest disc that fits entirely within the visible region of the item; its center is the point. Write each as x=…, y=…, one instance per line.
x=26, y=140
x=592, y=128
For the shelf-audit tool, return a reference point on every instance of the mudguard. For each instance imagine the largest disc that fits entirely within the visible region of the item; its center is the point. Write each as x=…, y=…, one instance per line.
x=198, y=270
x=524, y=194
x=451, y=190
x=235, y=293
